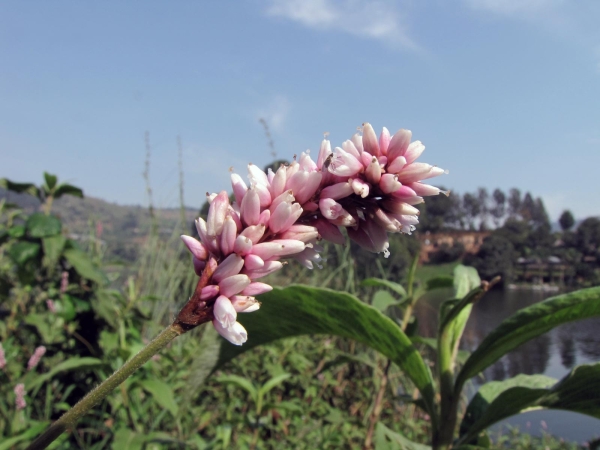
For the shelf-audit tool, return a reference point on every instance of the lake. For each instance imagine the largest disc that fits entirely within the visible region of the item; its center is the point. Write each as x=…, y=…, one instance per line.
x=553, y=354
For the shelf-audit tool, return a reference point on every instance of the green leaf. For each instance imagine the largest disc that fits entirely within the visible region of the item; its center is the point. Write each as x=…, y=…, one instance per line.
x=22, y=252
x=40, y=225
x=382, y=300
x=69, y=364
x=83, y=265
x=441, y=282
x=53, y=247
x=240, y=382
x=529, y=323
x=273, y=382
x=162, y=394
x=67, y=309
x=22, y=188
x=378, y=282
x=50, y=180
x=16, y=231
x=386, y=439
x=67, y=189
x=128, y=439
x=300, y=310
x=577, y=392
x=32, y=432
x=465, y=280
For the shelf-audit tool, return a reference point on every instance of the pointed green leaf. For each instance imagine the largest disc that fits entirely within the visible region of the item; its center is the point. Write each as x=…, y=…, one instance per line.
x=441, y=282
x=162, y=394
x=21, y=188
x=67, y=189
x=128, y=439
x=22, y=252
x=40, y=225
x=386, y=439
x=69, y=364
x=84, y=266
x=378, y=282
x=577, y=392
x=300, y=310
x=53, y=247
x=50, y=180
x=240, y=382
x=32, y=432
x=273, y=382
x=529, y=323
x=382, y=300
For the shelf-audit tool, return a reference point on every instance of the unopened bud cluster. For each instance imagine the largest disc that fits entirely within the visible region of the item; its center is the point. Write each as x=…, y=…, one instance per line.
x=368, y=186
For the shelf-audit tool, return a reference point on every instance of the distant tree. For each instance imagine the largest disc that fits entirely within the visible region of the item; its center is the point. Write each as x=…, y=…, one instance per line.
x=471, y=208
x=539, y=216
x=499, y=209
x=527, y=210
x=436, y=213
x=483, y=197
x=587, y=236
x=495, y=257
x=517, y=233
x=566, y=220
x=514, y=202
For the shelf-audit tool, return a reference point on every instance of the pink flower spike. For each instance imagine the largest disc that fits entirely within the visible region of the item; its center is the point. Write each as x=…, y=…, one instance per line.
x=20, y=402
x=236, y=334
x=244, y=303
x=216, y=214
x=198, y=265
x=337, y=191
x=277, y=248
x=399, y=144
x=253, y=262
x=344, y=164
x=228, y=267
x=36, y=357
x=224, y=311
x=384, y=141
x=234, y=285
x=370, y=143
x=304, y=233
x=250, y=207
x=228, y=236
x=360, y=187
x=267, y=269
x=256, y=288
x=414, y=151
x=196, y=248
x=239, y=187
x=209, y=292
x=389, y=183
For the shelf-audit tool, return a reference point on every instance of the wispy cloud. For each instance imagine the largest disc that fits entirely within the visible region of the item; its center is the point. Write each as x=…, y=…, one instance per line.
x=513, y=7
x=275, y=112
x=376, y=20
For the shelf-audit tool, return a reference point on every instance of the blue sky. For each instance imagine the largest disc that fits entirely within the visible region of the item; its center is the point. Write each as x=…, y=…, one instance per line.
x=502, y=93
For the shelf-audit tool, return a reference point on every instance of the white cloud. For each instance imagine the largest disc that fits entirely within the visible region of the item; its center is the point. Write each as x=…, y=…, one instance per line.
x=377, y=20
x=275, y=112
x=513, y=7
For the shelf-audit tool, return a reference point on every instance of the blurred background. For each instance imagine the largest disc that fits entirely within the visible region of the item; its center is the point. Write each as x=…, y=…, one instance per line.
x=146, y=106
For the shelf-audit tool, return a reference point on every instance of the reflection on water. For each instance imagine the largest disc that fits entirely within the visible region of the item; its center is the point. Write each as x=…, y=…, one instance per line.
x=553, y=354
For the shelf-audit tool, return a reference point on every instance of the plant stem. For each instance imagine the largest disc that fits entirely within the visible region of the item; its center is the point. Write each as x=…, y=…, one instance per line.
x=69, y=419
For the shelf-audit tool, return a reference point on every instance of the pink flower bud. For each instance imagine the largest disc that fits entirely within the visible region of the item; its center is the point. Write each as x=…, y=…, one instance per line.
x=198, y=265
x=253, y=262
x=277, y=248
x=425, y=190
x=267, y=269
x=284, y=217
x=228, y=236
x=224, y=311
x=233, y=285
x=344, y=164
x=337, y=191
x=228, y=267
x=64, y=282
x=373, y=171
x=310, y=187
x=245, y=303
x=389, y=183
x=51, y=306
x=256, y=288
x=324, y=153
x=239, y=187
x=210, y=242
x=254, y=233
x=2, y=357
x=196, y=248
x=304, y=233
x=369, y=139
x=216, y=214
x=358, y=142
x=236, y=334
x=359, y=187
x=399, y=144
x=414, y=151
x=279, y=182
x=415, y=172
x=396, y=165
x=399, y=207
x=250, y=207
x=348, y=146
x=35, y=358
x=209, y=292
x=257, y=176
x=384, y=141
x=306, y=163
x=242, y=245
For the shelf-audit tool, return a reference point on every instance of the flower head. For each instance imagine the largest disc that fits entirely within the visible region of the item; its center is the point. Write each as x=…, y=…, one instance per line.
x=20, y=396
x=368, y=186
x=2, y=357
x=36, y=357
